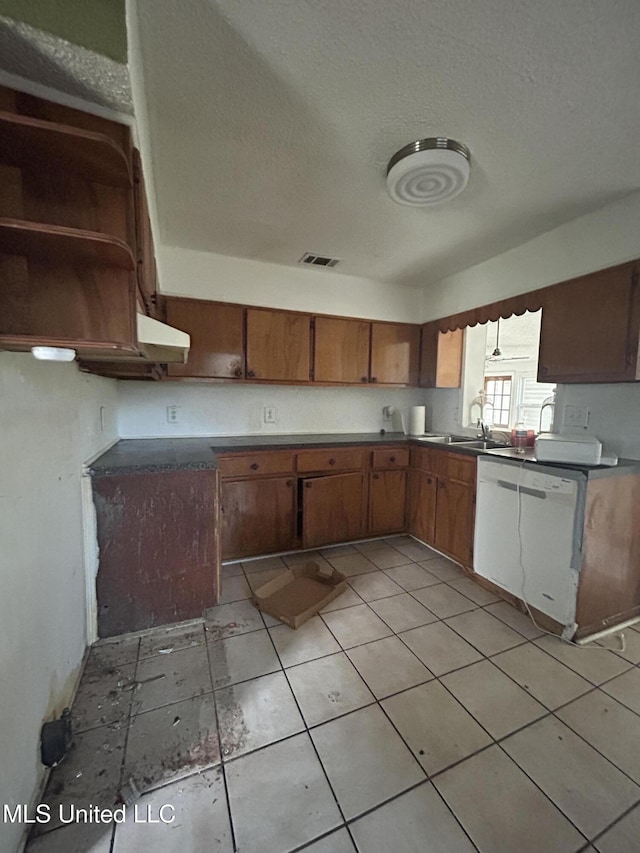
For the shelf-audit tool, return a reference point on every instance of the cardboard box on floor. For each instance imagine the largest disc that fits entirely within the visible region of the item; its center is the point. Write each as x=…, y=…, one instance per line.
x=299, y=592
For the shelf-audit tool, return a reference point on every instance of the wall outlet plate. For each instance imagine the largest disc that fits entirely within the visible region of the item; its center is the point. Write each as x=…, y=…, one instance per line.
x=269, y=414
x=576, y=416
x=173, y=414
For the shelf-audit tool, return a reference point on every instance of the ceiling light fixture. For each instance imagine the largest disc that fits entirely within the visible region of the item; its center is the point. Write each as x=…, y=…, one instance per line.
x=497, y=351
x=428, y=172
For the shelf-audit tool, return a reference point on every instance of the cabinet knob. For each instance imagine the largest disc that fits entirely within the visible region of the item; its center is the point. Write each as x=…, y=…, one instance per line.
x=251, y=374
x=237, y=372
x=307, y=484
x=289, y=483
x=429, y=481
x=376, y=476
x=392, y=459
x=373, y=379
x=364, y=379
x=255, y=466
x=332, y=462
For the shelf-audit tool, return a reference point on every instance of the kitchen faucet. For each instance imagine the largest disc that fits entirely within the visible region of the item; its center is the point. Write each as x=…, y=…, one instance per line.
x=484, y=430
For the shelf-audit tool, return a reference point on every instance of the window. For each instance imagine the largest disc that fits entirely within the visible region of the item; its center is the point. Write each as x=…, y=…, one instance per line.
x=500, y=375
x=498, y=391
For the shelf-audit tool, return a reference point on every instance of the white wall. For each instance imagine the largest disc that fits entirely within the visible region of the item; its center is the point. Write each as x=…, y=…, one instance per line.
x=203, y=275
x=601, y=239
x=614, y=414
x=49, y=425
x=238, y=409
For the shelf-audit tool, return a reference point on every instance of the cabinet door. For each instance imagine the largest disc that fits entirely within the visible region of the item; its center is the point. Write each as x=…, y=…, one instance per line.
x=394, y=353
x=589, y=328
x=421, y=506
x=258, y=516
x=441, y=357
x=332, y=509
x=278, y=345
x=217, y=337
x=159, y=549
x=455, y=507
x=341, y=350
x=387, y=491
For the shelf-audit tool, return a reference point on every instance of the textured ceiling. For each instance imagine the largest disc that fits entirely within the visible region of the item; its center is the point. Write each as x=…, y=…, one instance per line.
x=49, y=60
x=272, y=122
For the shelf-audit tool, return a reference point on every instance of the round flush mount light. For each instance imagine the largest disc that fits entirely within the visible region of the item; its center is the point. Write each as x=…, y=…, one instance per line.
x=428, y=172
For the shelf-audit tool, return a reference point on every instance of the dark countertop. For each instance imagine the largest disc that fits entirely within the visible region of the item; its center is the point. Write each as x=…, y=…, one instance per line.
x=165, y=454
x=156, y=454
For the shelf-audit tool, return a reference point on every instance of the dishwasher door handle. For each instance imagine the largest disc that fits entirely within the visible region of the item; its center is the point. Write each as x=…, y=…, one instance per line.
x=525, y=490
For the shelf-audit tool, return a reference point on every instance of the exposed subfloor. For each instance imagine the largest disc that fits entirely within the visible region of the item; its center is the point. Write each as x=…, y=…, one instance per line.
x=417, y=712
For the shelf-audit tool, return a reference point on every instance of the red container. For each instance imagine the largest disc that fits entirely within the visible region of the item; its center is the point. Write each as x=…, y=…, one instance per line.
x=531, y=438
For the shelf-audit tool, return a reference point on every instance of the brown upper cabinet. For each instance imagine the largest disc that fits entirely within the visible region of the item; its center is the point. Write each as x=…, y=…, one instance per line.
x=341, y=352
x=278, y=345
x=395, y=349
x=353, y=352
x=217, y=337
x=441, y=357
x=69, y=249
x=590, y=328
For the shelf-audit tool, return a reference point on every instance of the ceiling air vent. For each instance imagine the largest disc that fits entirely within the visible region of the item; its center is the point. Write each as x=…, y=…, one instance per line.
x=318, y=260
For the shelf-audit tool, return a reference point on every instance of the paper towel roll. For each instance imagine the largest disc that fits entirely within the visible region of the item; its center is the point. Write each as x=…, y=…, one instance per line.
x=417, y=416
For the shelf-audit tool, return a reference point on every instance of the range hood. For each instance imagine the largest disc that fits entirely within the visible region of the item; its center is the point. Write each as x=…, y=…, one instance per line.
x=161, y=343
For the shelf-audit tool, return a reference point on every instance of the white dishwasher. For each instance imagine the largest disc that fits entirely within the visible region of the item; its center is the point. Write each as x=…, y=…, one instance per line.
x=528, y=533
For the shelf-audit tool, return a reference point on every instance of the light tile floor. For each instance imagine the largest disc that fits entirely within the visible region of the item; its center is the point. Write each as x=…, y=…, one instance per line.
x=416, y=713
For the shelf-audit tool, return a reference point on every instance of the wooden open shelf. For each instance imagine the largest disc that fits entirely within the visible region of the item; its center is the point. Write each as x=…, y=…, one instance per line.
x=20, y=237
x=25, y=141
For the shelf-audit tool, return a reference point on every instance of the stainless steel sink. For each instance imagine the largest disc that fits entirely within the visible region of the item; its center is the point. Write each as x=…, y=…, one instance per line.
x=482, y=444
x=443, y=439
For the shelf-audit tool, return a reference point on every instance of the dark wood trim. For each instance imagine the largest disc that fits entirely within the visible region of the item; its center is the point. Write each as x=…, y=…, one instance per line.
x=504, y=308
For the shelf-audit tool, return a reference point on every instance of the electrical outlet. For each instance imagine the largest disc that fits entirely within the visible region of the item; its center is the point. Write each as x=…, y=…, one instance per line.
x=387, y=413
x=269, y=414
x=173, y=414
x=576, y=416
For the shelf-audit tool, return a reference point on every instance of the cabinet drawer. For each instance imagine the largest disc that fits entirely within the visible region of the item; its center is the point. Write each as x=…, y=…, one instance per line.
x=455, y=466
x=340, y=459
x=255, y=464
x=390, y=458
x=423, y=459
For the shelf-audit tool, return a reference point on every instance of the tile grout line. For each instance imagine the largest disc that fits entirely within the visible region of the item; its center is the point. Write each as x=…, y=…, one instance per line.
x=378, y=701
x=496, y=742
x=222, y=764
x=313, y=745
x=126, y=740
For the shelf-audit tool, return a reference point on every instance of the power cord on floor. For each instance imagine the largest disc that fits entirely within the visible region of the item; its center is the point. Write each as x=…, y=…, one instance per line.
x=523, y=595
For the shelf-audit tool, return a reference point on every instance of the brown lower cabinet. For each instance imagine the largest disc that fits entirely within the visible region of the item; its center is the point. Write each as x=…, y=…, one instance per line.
x=455, y=507
x=282, y=500
x=421, y=505
x=387, y=494
x=441, y=501
x=332, y=509
x=258, y=516
x=159, y=544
